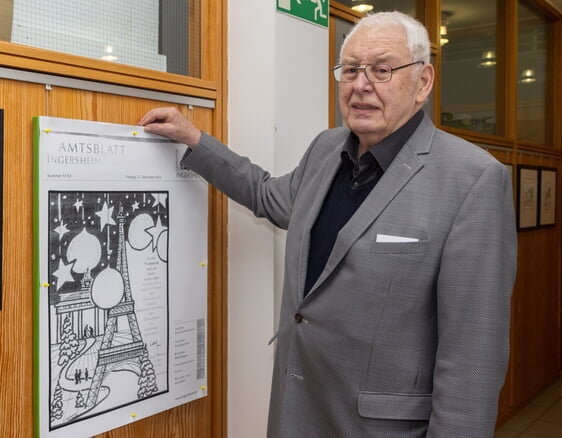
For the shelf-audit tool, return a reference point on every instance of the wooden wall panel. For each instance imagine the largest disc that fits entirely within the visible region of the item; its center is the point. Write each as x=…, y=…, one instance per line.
x=16, y=316
x=535, y=319
x=505, y=402
x=21, y=101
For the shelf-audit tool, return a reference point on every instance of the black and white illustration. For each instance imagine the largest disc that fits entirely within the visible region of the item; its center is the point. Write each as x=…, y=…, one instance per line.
x=108, y=300
x=121, y=277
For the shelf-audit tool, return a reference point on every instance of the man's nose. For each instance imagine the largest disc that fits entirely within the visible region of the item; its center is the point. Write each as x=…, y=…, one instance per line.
x=362, y=81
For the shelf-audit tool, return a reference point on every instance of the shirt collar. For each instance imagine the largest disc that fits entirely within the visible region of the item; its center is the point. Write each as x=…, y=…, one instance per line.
x=386, y=150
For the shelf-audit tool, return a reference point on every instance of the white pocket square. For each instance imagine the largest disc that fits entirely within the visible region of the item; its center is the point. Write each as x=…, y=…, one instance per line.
x=387, y=238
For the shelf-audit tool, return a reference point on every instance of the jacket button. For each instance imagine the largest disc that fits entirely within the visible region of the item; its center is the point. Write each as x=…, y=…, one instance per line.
x=298, y=318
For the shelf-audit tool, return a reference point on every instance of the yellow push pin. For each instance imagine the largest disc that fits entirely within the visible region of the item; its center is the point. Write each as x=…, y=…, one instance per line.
x=203, y=264
x=46, y=284
x=203, y=388
x=133, y=415
x=135, y=133
x=47, y=130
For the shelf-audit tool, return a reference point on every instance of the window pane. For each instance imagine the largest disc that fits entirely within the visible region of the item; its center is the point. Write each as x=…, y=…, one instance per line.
x=158, y=35
x=532, y=82
x=468, y=75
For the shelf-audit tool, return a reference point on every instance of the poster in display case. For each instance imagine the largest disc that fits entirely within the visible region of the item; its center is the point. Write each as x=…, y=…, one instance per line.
x=120, y=277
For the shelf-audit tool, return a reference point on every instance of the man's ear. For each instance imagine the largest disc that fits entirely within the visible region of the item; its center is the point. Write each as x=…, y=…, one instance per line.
x=425, y=83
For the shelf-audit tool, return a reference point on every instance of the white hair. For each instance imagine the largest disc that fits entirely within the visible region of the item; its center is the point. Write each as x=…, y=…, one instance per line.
x=416, y=33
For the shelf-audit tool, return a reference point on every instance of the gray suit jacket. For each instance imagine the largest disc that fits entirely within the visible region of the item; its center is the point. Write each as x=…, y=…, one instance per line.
x=406, y=331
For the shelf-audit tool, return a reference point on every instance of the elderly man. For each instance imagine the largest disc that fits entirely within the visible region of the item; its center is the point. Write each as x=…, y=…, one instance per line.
x=400, y=255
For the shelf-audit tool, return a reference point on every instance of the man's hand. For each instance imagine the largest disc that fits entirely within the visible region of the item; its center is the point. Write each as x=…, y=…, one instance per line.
x=170, y=123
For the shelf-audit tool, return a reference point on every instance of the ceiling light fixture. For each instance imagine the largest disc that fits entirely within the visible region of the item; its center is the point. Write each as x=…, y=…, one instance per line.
x=362, y=6
x=444, y=39
x=528, y=76
x=488, y=59
x=108, y=54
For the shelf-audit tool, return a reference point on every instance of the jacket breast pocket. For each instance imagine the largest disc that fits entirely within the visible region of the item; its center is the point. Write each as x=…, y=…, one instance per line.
x=386, y=406
x=420, y=247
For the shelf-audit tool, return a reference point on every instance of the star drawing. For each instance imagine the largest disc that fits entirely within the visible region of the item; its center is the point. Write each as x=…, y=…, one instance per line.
x=63, y=274
x=155, y=232
x=78, y=204
x=61, y=229
x=159, y=198
x=105, y=216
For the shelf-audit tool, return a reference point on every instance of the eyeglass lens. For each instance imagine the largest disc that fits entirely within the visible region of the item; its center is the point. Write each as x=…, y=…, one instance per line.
x=374, y=72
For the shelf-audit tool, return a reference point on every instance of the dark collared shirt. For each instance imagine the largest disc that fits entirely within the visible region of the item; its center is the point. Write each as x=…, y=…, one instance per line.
x=353, y=182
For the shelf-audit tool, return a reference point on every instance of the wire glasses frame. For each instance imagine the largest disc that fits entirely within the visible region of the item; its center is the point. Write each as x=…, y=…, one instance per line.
x=375, y=73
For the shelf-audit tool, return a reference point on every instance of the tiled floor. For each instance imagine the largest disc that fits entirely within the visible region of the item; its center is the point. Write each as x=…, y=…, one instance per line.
x=542, y=418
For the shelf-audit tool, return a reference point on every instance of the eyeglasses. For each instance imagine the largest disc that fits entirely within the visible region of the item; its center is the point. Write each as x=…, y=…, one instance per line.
x=375, y=73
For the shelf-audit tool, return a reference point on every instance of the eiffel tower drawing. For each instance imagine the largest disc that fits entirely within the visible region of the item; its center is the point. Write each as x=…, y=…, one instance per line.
x=108, y=354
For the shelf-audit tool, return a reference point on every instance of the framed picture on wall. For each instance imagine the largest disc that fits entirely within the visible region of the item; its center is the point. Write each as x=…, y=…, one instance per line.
x=527, y=197
x=547, y=197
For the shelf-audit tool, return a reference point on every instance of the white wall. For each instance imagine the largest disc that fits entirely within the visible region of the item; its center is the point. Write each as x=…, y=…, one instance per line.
x=276, y=107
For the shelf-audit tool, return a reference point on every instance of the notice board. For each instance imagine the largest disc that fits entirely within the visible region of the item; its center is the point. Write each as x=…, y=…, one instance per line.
x=120, y=305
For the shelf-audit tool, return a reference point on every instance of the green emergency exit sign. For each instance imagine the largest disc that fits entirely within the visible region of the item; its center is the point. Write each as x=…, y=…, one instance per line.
x=315, y=11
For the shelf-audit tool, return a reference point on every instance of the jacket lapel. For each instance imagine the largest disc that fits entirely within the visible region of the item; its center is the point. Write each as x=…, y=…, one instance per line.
x=332, y=165
x=406, y=164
